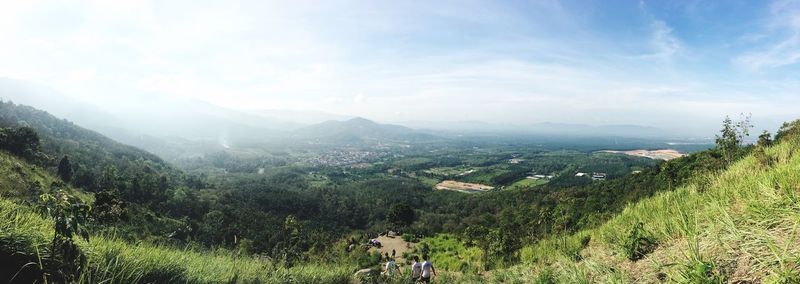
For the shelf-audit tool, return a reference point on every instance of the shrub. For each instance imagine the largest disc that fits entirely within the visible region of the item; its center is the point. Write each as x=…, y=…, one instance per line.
x=702, y=272
x=638, y=243
x=764, y=160
x=70, y=217
x=545, y=277
x=410, y=238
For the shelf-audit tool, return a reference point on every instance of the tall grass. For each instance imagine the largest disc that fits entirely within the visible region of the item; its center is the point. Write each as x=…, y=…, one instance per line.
x=23, y=233
x=448, y=253
x=737, y=225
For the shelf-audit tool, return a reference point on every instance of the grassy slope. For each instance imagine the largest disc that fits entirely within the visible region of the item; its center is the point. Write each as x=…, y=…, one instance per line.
x=738, y=225
x=25, y=236
x=20, y=178
x=23, y=181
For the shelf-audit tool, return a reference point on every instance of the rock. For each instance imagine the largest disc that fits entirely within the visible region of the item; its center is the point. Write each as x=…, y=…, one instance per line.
x=366, y=274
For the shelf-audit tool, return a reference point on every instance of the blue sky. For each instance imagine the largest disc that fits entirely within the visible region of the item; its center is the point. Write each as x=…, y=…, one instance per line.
x=669, y=64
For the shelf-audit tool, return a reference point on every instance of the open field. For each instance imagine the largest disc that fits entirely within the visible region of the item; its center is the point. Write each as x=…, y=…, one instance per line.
x=526, y=182
x=664, y=154
x=462, y=186
x=451, y=171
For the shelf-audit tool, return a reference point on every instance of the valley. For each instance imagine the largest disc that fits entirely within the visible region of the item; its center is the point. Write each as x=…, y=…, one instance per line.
x=295, y=204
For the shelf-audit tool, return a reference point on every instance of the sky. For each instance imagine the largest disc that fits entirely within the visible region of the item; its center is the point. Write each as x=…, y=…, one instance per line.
x=669, y=64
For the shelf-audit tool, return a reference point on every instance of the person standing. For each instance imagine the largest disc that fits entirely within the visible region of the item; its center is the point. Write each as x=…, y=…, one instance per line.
x=427, y=270
x=416, y=269
x=391, y=268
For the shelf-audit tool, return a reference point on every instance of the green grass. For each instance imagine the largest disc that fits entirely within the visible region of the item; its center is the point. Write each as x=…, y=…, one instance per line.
x=25, y=241
x=413, y=163
x=24, y=181
x=24, y=234
x=526, y=183
x=450, y=171
x=430, y=182
x=448, y=253
x=740, y=224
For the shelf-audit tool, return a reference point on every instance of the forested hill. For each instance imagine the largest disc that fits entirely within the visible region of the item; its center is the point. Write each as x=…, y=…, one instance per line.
x=359, y=130
x=91, y=153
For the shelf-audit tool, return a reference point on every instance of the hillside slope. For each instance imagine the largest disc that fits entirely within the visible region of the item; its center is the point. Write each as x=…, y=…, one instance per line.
x=25, y=244
x=738, y=226
x=62, y=137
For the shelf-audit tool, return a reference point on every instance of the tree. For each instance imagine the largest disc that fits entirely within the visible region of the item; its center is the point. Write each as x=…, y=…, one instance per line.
x=65, y=169
x=23, y=141
x=743, y=126
x=109, y=179
x=788, y=129
x=765, y=139
x=498, y=247
x=108, y=207
x=732, y=136
x=401, y=215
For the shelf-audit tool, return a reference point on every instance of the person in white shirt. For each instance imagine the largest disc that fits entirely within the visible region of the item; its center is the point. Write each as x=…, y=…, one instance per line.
x=391, y=267
x=427, y=269
x=416, y=269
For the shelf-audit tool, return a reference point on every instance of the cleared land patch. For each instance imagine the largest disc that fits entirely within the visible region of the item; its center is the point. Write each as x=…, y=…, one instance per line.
x=663, y=154
x=462, y=186
x=526, y=182
x=395, y=243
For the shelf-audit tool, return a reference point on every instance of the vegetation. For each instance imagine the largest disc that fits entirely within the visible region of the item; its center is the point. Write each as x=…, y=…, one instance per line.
x=24, y=239
x=150, y=222
x=737, y=226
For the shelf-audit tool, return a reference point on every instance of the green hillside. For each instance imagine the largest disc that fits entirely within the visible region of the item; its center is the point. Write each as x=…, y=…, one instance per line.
x=92, y=153
x=25, y=248
x=737, y=226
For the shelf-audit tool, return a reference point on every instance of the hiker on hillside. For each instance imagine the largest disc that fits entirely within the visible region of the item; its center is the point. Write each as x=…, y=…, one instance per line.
x=393, y=253
x=427, y=269
x=416, y=269
x=391, y=268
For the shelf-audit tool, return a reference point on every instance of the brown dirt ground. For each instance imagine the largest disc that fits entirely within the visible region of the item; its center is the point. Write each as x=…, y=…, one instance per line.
x=397, y=243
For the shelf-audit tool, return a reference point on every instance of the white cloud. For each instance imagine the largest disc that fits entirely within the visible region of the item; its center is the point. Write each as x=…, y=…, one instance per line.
x=388, y=61
x=665, y=42
x=779, y=41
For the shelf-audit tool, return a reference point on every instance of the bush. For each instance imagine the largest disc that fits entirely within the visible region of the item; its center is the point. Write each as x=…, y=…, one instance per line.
x=23, y=141
x=638, y=244
x=410, y=238
x=545, y=277
x=702, y=272
x=764, y=160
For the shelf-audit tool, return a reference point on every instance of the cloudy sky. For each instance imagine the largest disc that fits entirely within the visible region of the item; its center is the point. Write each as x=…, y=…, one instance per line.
x=668, y=64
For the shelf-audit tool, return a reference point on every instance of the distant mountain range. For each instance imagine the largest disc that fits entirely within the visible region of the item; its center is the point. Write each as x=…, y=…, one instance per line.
x=178, y=127
x=359, y=130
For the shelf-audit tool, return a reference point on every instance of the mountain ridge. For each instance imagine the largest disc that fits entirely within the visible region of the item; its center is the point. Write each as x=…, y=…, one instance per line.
x=359, y=130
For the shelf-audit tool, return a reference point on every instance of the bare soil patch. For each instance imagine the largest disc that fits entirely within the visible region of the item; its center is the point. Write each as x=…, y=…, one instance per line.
x=462, y=186
x=393, y=243
x=663, y=154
